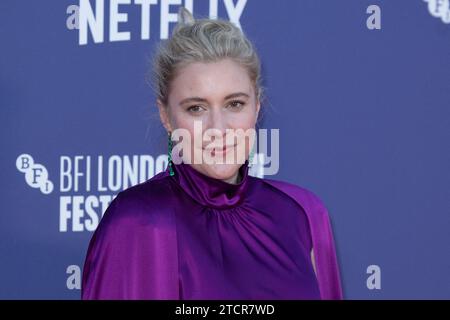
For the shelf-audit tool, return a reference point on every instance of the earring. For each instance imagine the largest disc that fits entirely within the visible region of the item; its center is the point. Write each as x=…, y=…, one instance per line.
x=250, y=157
x=170, y=145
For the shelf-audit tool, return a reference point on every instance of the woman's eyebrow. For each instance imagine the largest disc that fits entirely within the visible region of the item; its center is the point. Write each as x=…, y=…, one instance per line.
x=235, y=95
x=193, y=99
x=198, y=99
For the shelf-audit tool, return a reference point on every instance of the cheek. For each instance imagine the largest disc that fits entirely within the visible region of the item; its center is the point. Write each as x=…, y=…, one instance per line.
x=187, y=123
x=243, y=120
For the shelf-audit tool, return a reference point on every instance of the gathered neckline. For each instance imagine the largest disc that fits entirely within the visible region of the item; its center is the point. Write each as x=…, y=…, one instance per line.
x=208, y=191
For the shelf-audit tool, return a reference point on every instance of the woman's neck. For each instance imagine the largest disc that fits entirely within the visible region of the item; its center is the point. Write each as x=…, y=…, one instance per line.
x=235, y=179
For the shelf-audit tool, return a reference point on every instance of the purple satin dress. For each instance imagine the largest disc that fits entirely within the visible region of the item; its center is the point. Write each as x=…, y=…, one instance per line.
x=190, y=236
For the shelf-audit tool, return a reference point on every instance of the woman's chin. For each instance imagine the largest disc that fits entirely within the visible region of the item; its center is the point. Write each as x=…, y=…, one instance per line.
x=219, y=171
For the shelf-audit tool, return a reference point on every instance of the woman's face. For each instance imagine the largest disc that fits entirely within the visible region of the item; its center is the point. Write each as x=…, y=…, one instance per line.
x=207, y=100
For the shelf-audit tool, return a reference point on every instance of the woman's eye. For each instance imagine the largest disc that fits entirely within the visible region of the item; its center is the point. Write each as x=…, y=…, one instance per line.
x=236, y=104
x=194, y=109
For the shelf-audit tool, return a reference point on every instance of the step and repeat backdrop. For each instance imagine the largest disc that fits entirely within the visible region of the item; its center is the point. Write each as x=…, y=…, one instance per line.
x=358, y=90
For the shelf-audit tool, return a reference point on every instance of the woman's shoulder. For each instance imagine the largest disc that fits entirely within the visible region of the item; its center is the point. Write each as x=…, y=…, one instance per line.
x=142, y=202
x=148, y=190
x=303, y=195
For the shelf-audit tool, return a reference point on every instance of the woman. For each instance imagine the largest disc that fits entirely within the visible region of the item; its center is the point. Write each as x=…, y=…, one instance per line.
x=206, y=229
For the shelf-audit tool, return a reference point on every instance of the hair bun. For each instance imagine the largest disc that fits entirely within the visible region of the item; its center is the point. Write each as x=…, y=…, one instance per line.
x=185, y=17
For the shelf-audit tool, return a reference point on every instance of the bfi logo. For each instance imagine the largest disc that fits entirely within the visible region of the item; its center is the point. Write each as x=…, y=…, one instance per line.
x=36, y=175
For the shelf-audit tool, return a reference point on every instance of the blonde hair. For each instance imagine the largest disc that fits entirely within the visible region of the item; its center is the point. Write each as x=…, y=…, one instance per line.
x=202, y=40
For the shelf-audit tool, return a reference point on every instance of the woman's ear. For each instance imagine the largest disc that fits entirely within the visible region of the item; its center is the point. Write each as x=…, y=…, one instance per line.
x=164, y=115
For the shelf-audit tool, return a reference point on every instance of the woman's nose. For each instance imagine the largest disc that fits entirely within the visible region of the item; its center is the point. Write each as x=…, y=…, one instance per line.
x=217, y=121
x=216, y=126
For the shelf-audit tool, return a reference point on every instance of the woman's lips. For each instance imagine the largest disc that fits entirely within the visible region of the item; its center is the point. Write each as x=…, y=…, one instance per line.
x=219, y=150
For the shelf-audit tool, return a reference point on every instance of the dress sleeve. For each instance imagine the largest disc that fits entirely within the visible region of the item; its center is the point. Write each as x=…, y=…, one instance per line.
x=102, y=262
x=328, y=274
x=133, y=252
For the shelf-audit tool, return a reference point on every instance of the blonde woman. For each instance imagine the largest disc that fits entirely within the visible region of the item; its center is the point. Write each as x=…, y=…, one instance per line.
x=207, y=229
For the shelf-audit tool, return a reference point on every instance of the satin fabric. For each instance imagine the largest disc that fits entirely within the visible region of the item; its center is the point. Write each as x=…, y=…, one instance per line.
x=190, y=236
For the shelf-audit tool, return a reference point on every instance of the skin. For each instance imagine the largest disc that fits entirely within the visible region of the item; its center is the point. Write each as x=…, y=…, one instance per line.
x=313, y=261
x=213, y=83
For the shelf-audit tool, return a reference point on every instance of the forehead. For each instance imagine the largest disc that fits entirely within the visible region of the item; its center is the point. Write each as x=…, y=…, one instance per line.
x=210, y=80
